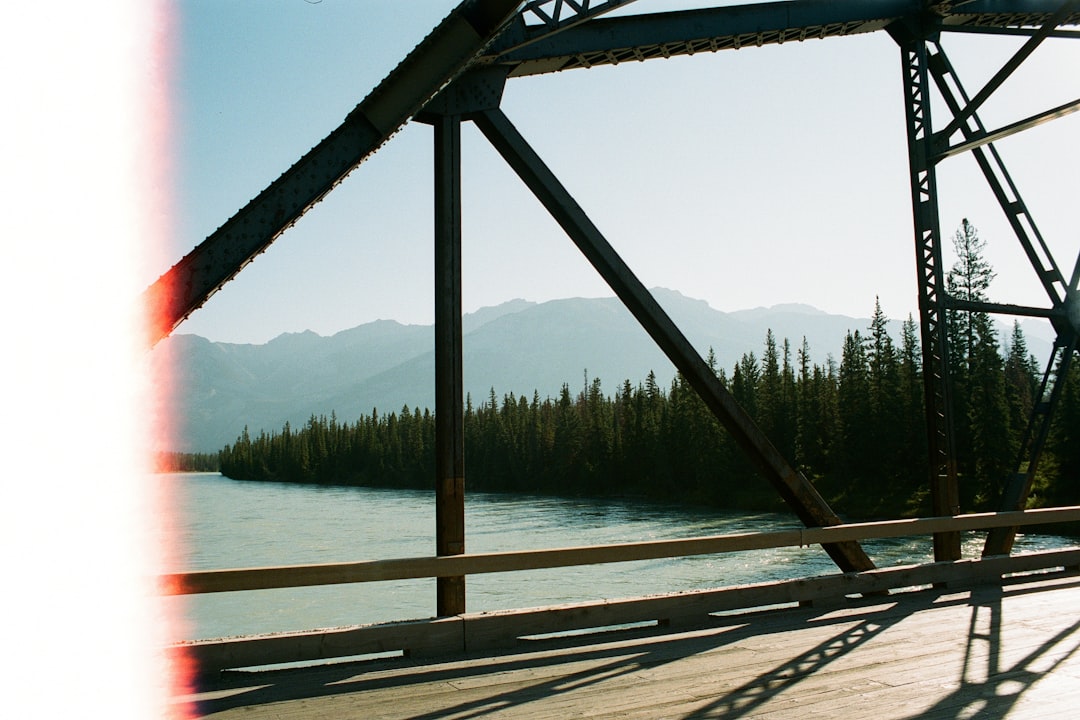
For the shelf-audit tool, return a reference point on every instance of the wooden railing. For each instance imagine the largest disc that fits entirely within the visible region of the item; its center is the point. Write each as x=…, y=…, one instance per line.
x=483, y=631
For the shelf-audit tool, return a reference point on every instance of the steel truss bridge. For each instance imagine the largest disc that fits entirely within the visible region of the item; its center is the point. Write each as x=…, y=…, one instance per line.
x=457, y=74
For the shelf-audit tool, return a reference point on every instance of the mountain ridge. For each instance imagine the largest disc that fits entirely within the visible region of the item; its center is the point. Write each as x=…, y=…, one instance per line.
x=217, y=389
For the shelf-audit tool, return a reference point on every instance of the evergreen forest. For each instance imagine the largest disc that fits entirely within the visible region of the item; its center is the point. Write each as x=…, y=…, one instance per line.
x=855, y=427
x=169, y=462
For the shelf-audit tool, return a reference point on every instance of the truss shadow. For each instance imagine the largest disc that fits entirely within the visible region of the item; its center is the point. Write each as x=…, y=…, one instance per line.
x=993, y=691
x=626, y=653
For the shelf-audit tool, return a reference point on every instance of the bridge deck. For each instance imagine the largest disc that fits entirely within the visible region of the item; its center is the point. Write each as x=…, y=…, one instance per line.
x=990, y=652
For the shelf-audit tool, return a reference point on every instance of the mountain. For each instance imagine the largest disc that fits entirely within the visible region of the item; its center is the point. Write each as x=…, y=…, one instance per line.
x=216, y=389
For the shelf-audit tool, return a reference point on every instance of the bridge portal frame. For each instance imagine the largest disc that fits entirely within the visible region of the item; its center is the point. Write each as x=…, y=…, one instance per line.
x=437, y=81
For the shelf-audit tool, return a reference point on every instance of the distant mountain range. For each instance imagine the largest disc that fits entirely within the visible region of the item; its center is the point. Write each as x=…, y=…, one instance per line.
x=216, y=389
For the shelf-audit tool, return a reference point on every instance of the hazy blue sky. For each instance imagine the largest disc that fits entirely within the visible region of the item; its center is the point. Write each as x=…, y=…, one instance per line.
x=745, y=178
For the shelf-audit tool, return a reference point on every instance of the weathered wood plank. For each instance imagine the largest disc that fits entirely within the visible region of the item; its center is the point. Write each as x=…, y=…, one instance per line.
x=470, y=564
x=480, y=632
x=938, y=653
x=485, y=631
x=440, y=636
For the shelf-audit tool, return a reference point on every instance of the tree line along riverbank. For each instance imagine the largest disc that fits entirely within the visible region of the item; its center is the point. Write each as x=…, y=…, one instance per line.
x=856, y=428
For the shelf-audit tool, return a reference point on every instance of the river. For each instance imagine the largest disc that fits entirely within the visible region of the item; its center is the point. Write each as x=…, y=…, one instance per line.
x=221, y=523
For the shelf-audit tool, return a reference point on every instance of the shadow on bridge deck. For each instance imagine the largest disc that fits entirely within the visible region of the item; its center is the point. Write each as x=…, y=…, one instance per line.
x=988, y=652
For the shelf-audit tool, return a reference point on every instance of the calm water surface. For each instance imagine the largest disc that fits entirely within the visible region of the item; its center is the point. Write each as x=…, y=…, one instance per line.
x=222, y=523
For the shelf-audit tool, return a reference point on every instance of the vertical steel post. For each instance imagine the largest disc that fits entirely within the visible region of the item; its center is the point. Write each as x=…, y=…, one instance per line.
x=935, y=344
x=449, y=399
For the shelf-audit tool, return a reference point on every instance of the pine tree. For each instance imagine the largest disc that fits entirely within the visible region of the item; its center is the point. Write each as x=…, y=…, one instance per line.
x=859, y=455
x=992, y=440
x=968, y=279
x=984, y=437
x=882, y=364
x=787, y=424
x=1021, y=381
x=566, y=452
x=744, y=383
x=1064, y=442
x=813, y=441
x=885, y=408
x=913, y=462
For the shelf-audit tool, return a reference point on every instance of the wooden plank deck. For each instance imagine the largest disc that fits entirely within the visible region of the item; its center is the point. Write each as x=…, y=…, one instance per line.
x=988, y=652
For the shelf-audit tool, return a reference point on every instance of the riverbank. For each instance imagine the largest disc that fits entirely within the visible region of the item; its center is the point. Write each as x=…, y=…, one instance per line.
x=222, y=523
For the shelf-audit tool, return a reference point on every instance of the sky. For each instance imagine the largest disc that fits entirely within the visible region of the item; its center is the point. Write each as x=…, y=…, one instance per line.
x=745, y=178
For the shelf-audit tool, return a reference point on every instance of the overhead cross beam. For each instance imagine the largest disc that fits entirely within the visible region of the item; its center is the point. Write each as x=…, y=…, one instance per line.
x=550, y=16
x=609, y=41
x=539, y=19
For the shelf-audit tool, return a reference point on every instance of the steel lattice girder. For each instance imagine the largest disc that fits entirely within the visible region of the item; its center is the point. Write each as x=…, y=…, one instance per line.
x=920, y=64
x=609, y=41
x=966, y=121
x=936, y=382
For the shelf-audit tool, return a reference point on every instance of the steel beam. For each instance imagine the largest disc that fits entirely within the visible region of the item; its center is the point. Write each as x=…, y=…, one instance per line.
x=983, y=137
x=1007, y=31
x=792, y=485
x=961, y=116
x=539, y=19
x=452, y=46
x=611, y=40
x=999, y=541
x=1001, y=183
x=937, y=385
x=474, y=90
x=1052, y=314
x=550, y=16
x=568, y=34
x=449, y=396
x=1063, y=296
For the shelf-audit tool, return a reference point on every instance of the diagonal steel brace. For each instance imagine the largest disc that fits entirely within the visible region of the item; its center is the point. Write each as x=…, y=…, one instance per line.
x=792, y=485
